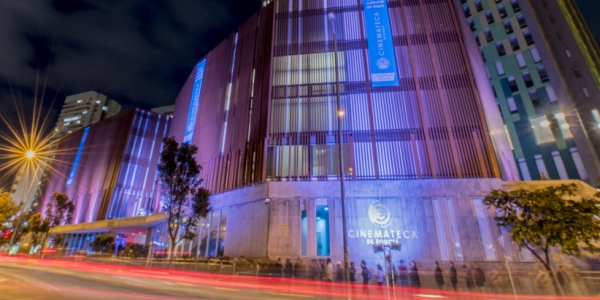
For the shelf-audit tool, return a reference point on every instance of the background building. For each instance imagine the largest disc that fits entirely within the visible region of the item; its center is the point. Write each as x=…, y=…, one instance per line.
x=543, y=65
x=78, y=111
x=164, y=110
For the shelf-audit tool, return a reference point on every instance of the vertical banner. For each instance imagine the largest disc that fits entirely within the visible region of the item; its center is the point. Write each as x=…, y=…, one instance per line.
x=77, y=156
x=382, y=61
x=194, y=102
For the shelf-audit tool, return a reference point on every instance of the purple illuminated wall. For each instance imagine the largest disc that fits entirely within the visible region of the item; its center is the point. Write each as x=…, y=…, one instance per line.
x=116, y=174
x=280, y=111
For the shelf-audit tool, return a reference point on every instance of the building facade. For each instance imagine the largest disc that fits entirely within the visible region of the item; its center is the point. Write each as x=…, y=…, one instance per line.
x=543, y=65
x=422, y=140
x=78, y=111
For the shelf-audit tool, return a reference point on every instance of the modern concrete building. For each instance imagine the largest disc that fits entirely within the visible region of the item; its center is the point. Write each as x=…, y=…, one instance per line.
x=164, y=110
x=422, y=141
x=543, y=65
x=77, y=112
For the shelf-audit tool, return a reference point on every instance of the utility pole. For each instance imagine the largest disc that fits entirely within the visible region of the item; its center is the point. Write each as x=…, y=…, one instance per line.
x=340, y=114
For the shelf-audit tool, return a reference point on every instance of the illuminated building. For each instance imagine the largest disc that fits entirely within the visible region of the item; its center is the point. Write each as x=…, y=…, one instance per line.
x=544, y=66
x=422, y=136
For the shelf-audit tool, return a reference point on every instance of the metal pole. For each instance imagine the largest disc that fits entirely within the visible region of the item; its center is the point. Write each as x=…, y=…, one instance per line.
x=340, y=114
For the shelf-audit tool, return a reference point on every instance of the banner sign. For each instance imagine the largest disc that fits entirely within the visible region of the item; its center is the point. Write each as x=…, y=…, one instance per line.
x=194, y=102
x=382, y=60
x=77, y=156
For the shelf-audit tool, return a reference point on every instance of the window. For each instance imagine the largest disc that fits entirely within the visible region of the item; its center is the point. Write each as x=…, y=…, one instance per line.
x=507, y=132
x=514, y=43
x=471, y=24
x=543, y=75
x=560, y=166
x=478, y=6
x=586, y=93
x=213, y=235
x=536, y=55
x=512, y=83
x=578, y=164
x=552, y=20
x=559, y=35
x=596, y=116
x=488, y=35
x=483, y=56
x=524, y=169
x=454, y=227
x=539, y=163
x=512, y=106
x=490, y=17
x=577, y=73
x=542, y=130
x=521, y=21
x=508, y=27
x=535, y=99
x=494, y=90
x=521, y=60
x=467, y=11
x=528, y=38
x=527, y=79
x=222, y=233
x=440, y=228
x=568, y=52
x=499, y=68
x=502, y=11
x=304, y=228
x=483, y=227
x=500, y=49
x=515, y=5
x=476, y=36
x=322, y=226
x=526, y=255
x=551, y=94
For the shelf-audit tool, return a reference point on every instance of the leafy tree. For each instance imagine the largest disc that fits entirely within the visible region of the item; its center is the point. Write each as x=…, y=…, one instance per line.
x=60, y=210
x=37, y=228
x=183, y=200
x=58, y=240
x=542, y=219
x=102, y=241
x=7, y=208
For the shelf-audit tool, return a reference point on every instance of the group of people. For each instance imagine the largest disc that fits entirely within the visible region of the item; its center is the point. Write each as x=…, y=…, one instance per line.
x=402, y=275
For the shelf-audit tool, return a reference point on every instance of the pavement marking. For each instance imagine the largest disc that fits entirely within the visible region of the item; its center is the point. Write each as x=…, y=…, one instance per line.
x=32, y=260
x=226, y=289
x=291, y=295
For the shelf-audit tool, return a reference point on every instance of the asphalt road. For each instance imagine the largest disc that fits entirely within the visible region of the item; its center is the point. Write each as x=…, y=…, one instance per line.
x=18, y=281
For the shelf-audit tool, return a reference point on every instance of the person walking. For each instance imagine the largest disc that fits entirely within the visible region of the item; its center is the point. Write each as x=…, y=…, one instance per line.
x=278, y=270
x=339, y=272
x=328, y=272
x=380, y=275
x=468, y=277
x=352, y=272
x=413, y=275
x=322, y=268
x=365, y=273
x=479, y=277
x=439, y=276
x=299, y=270
x=288, y=268
x=453, y=276
x=403, y=274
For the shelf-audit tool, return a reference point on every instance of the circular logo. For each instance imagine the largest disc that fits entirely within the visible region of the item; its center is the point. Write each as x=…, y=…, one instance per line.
x=383, y=63
x=379, y=214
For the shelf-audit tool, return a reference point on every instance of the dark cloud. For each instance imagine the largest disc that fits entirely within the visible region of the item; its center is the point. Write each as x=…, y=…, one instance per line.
x=138, y=52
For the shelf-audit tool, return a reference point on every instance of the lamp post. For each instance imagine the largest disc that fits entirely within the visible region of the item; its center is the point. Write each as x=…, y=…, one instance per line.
x=340, y=114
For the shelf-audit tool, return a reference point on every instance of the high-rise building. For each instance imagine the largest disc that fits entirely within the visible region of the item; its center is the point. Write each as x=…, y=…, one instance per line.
x=78, y=111
x=543, y=65
x=422, y=140
x=164, y=110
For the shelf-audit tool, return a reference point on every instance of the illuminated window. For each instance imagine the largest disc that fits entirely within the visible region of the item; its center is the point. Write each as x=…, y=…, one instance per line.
x=502, y=11
x=560, y=166
x=97, y=101
x=536, y=55
x=440, y=228
x=542, y=130
x=454, y=227
x=512, y=105
x=524, y=169
x=564, y=126
x=551, y=94
x=483, y=227
x=322, y=226
x=508, y=27
x=568, y=52
x=499, y=68
x=507, y=132
x=521, y=60
x=539, y=163
x=586, y=93
x=304, y=227
x=579, y=164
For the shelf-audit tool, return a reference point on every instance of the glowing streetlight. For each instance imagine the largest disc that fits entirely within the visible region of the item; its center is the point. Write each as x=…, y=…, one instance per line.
x=30, y=154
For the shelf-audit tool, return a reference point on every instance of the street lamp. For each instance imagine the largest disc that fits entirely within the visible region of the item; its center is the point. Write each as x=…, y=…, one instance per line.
x=30, y=154
x=340, y=114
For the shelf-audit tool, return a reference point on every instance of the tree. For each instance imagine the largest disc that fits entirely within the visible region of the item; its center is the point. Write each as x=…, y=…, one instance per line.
x=60, y=210
x=182, y=200
x=7, y=211
x=102, y=242
x=542, y=219
x=37, y=228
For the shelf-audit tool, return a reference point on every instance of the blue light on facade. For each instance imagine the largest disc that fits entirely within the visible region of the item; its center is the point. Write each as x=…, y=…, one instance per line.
x=77, y=156
x=194, y=102
x=382, y=60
